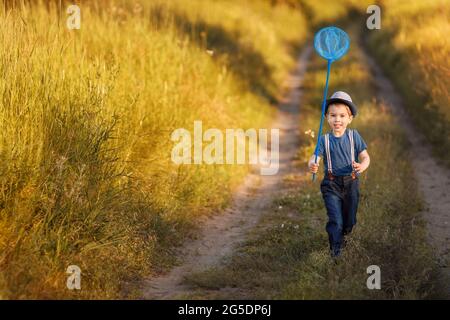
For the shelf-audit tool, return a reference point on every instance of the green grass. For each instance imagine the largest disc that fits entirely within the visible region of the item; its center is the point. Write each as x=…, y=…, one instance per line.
x=86, y=117
x=287, y=257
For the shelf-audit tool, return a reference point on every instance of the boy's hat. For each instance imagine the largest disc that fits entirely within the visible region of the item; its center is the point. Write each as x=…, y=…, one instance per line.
x=341, y=97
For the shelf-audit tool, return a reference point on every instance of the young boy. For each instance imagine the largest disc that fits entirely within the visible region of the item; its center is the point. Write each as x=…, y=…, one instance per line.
x=341, y=148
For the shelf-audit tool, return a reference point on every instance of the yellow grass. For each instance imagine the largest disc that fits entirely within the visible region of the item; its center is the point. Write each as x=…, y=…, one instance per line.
x=414, y=48
x=86, y=117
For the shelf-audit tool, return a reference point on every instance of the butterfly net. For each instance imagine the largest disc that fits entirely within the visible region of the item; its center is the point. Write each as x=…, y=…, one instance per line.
x=331, y=43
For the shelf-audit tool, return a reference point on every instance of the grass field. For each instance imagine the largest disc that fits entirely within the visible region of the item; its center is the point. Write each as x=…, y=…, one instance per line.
x=413, y=47
x=86, y=117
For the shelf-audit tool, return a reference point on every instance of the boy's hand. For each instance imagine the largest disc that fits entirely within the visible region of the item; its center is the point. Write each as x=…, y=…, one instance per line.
x=356, y=166
x=314, y=167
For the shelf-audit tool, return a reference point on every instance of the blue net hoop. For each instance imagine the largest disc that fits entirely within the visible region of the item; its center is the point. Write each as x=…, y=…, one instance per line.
x=331, y=43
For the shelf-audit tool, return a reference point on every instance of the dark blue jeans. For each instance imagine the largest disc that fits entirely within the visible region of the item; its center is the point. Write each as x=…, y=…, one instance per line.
x=341, y=197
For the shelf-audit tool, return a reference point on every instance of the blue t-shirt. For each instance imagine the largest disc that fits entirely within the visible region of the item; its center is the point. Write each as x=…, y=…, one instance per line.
x=340, y=152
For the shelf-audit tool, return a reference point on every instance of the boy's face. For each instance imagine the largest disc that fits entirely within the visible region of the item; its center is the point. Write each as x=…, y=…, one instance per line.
x=339, y=116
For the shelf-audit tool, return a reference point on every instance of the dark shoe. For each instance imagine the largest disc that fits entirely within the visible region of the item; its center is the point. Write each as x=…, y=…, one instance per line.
x=346, y=231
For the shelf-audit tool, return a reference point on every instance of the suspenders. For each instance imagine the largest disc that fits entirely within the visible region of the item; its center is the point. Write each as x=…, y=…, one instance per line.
x=327, y=150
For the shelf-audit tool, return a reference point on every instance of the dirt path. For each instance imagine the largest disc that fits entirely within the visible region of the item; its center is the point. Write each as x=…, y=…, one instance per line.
x=434, y=179
x=221, y=233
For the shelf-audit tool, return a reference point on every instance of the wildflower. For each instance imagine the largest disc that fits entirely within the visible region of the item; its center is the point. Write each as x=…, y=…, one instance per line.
x=310, y=133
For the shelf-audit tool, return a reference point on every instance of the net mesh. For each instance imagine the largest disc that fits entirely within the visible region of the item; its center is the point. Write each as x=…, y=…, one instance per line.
x=331, y=43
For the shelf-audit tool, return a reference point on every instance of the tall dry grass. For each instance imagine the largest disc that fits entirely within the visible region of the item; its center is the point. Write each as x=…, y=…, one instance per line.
x=414, y=49
x=86, y=117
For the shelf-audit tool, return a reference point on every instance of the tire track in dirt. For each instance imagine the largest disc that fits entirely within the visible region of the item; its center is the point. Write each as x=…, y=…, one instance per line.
x=433, y=179
x=220, y=234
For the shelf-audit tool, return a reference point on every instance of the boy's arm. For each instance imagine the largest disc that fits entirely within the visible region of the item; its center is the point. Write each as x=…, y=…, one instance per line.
x=365, y=161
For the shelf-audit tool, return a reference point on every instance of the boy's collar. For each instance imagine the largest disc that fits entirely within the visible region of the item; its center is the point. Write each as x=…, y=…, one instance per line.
x=332, y=133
